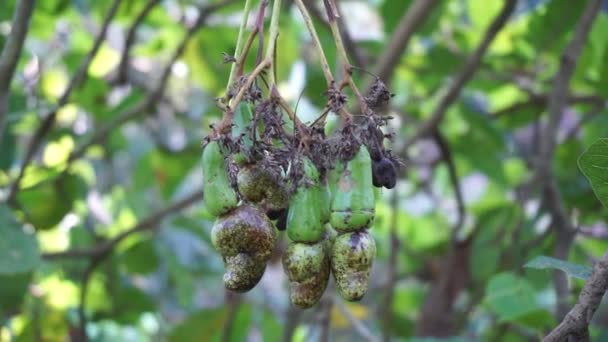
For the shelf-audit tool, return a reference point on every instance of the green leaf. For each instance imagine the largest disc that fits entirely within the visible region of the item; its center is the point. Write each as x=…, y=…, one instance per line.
x=13, y=289
x=18, y=251
x=204, y=325
x=510, y=297
x=594, y=165
x=573, y=270
x=141, y=258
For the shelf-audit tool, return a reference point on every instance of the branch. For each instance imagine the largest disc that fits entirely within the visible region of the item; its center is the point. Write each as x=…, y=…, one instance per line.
x=11, y=52
x=155, y=95
x=414, y=17
x=104, y=248
x=446, y=155
x=49, y=119
x=130, y=40
x=562, y=225
x=471, y=65
x=575, y=326
x=543, y=100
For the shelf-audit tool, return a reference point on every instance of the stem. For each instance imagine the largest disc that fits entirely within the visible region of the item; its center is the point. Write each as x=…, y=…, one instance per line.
x=315, y=40
x=273, y=36
x=335, y=31
x=239, y=41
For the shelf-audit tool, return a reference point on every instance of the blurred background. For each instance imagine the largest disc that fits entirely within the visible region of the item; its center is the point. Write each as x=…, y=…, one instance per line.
x=100, y=142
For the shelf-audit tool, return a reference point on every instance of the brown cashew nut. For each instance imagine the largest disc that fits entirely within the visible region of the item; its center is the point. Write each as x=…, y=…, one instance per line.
x=246, y=239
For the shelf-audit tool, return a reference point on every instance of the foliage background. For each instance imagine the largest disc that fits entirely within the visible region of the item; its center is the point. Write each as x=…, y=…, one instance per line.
x=162, y=281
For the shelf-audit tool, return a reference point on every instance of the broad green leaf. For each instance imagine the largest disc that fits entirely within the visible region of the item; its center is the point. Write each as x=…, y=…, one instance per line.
x=18, y=250
x=594, y=165
x=510, y=297
x=573, y=270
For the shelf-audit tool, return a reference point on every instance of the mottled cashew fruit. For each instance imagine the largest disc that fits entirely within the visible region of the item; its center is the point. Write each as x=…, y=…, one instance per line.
x=246, y=239
x=259, y=186
x=353, y=201
x=351, y=263
x=220, y=198
x=307, y=266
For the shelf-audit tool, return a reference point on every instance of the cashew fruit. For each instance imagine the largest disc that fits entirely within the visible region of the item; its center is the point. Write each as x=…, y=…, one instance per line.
x=220, y=197
x=353, y=203
x=261, y=187
x=246, y=239
x=351, y=262
x=308, y=267
x=304, y=222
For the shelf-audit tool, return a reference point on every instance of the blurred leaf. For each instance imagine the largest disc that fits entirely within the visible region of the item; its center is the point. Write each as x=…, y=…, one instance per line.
x=573, y=270
x=14, y=288
x=18, y=250
x=509, y=296
x=205, y=325
x=46, y=203
x=141, y=258
x=594, y=165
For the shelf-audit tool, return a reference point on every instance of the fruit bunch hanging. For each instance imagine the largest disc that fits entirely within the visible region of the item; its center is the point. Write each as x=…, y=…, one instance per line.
x=266, y=171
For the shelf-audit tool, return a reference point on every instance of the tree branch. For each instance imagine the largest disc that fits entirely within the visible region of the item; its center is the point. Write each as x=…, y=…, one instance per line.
x=575, y=325
x=471, y=65
x=101, y=250
x=155, y=95
x=416, y=14
x=359, y=327
x=11, y=52
x=49, y=119
x=562, y=225
x=121, y=77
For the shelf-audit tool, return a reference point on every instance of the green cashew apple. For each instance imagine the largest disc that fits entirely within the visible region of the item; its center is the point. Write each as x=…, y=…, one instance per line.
x=220, y=198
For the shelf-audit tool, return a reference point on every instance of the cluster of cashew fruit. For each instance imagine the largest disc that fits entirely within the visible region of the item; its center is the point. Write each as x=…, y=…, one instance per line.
x=325, y=211
x=266, y=171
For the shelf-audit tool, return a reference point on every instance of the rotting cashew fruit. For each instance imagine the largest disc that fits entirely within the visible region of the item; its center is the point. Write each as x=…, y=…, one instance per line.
x=352, y=212
x=220, y=197
x=245, y=238
x=259, y=186
x=351, y=261
x=307, y=266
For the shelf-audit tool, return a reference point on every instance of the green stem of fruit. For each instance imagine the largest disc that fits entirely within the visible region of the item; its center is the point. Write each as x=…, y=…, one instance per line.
x=239, y=42
x=273, y=36
x=335, y=31
x=316, y=42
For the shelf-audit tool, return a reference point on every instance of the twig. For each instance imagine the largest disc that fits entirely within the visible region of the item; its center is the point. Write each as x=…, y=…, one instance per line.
x=49, y=120
x=387, y=304
x=291, y=323
x=471, y=65
x=239, y=42
x=446, y=155
x=562, y=225
x=148, y=223
x=233, y=301
x=575, y=325
x=542, y=100
x=130, y=40
x=360, y=328
x=416, y=14
x=11, y=52
x=273, y=35
x=316, y=42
